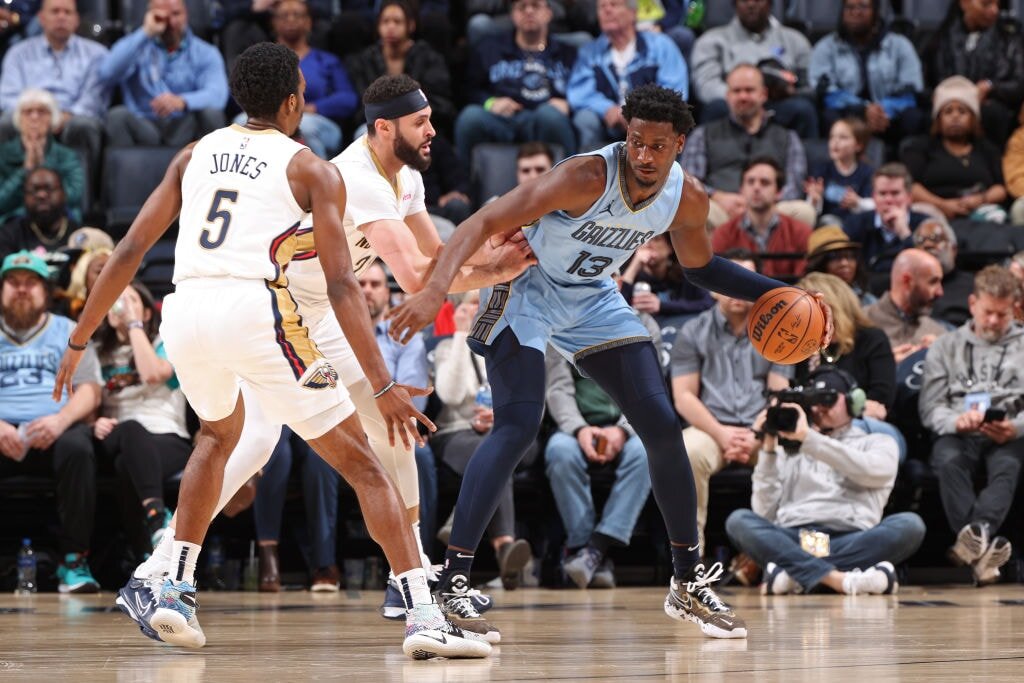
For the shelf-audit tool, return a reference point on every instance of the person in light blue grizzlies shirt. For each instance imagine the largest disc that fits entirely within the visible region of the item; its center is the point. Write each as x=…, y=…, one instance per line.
x=587, y=216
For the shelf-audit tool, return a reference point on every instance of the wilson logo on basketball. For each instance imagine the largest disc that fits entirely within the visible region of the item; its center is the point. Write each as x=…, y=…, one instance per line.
x=764, y=319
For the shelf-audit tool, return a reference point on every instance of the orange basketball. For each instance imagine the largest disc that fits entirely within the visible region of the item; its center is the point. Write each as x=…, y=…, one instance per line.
x=786, y=325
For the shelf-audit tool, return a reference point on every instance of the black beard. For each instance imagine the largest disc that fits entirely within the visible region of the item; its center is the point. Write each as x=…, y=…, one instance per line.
x=45, y=220
x=20, y=315
x=409, y=155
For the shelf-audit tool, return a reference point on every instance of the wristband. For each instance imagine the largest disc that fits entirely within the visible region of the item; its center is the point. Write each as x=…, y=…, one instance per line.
x=136, y=325
x=77, y=347
x=489, y=102
x=387, y=387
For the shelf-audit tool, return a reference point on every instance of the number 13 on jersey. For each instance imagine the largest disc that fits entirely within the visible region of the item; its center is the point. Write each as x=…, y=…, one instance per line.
x=218, y=213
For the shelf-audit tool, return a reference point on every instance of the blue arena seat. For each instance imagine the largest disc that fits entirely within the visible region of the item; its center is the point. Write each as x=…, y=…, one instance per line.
x=927, y=14
x=492, y=170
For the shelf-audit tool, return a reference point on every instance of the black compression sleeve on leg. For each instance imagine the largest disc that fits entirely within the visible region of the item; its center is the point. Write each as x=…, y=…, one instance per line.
x=729, y=278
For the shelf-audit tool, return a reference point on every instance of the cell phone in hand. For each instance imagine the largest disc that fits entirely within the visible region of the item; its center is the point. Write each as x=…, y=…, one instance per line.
x=994, y=415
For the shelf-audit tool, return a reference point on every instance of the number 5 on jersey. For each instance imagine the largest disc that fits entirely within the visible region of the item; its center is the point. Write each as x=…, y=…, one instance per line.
x=217, y=213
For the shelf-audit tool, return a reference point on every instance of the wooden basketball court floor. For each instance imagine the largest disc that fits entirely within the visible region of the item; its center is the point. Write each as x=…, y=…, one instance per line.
x=923, y=634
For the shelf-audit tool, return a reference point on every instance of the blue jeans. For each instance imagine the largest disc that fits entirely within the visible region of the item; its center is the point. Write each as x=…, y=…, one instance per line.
x=592, y=132
x=567, y=470
x=321, y=135
x=874, y=426
x=320, y=494
x=545, y=123
x=895, y=538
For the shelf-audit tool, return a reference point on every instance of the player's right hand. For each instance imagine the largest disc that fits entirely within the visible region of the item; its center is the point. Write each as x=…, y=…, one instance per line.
x=66, y=372
x=415, y=313
x=400, y=415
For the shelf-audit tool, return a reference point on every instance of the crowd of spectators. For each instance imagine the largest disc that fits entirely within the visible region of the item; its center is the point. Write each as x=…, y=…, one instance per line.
x=866, y=163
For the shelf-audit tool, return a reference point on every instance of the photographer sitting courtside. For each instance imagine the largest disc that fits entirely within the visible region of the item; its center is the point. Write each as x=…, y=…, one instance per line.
x=820, y=486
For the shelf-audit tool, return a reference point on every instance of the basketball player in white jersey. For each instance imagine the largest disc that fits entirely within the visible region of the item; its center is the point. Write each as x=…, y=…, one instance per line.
x=385, y=215
x=241, y=193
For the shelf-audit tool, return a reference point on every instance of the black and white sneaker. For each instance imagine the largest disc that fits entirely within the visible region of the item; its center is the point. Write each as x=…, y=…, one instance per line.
x=693, y=600
x=138, y=599
x=454, y=601
x=428, y=635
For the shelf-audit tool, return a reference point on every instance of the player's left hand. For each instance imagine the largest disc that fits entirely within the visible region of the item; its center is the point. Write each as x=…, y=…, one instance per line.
x=826, y=310
x=401, y=416
x=66, y=372
x=416, y=312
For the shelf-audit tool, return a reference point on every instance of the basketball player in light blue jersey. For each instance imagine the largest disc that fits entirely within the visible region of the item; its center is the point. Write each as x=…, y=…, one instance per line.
x=587, y=216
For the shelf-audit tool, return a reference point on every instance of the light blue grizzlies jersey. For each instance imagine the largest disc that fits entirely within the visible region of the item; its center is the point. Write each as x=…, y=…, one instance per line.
x=569, y=297
x=28, y=371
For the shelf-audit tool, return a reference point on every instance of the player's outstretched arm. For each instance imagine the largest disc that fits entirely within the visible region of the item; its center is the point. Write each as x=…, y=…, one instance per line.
x=156, y=216
x=326, y=197
x=572, y=186
x=692, y=245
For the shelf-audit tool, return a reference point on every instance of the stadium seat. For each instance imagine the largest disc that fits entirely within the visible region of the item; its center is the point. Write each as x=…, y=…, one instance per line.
x=927, y=14
x=721, y=12
x=130, y=174
x=157, y=268
x=492, y=171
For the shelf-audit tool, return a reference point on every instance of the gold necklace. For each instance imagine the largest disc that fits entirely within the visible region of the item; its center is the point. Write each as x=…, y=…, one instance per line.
x=46, y=241
x=829, y=358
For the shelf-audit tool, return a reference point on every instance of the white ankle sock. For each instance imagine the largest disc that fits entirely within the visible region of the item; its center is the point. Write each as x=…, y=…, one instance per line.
x=183, y=559
x=413, y=586
x=159, y=563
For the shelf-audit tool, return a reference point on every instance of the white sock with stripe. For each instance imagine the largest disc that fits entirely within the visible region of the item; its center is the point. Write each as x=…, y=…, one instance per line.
x=183, y=561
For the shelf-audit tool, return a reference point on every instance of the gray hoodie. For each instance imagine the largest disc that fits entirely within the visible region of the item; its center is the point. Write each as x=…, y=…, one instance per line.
x=839, y=482
x=959, y=363
x=720, y=49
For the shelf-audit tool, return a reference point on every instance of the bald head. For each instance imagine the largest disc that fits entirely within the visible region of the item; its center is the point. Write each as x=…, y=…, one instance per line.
x=915, y=281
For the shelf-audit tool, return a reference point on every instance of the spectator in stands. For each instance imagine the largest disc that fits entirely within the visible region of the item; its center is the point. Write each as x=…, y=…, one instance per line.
x=466, y=417
x=866, y=70
x=938, y=239
x=840, y=187
x=45, y=225
x=762, y=227
x=396, y=52
x=817, y=505
x=956, y=169
x=173, y=84
x=668, y=17
x=330, y=97
x=830, y=251
x=320, y=484
x=861, y=349
x=37, y=435
x=966, y=373
x=14, y=22
x=668, y=292
x=974, y=42
x=446, y=188
x=67, y=66
x=83, y=277
x=34, y=117
x=903, y=312
x=592, y=438
x=718, y=387
x=247, y=22
x=717, y=152
x=888, y=229
x=141, y=429
x=516, y=85
x=1013, y=171
x=755, y=37
x=609, y=67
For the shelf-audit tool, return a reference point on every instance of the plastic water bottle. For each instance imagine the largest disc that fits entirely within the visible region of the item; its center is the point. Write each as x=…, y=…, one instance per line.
x=26, y=569
x=23, y=435
x=215, y=564
x=483, y=396
x=695, y=14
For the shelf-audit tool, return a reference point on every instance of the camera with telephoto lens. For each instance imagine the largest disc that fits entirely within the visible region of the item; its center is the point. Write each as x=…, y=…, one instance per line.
x=781, y=418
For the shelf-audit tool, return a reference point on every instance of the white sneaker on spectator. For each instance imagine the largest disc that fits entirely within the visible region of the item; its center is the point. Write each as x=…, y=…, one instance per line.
x=986, y=569
x=877, y=580
x=777, y=581
x=971, y=543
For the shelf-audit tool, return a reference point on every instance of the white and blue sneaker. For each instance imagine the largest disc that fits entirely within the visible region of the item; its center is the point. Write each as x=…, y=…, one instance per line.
x=174, y=618
x=428, y=635
x=138, y=599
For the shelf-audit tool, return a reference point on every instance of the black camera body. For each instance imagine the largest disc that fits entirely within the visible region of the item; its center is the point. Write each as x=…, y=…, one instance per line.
x=781, y=418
